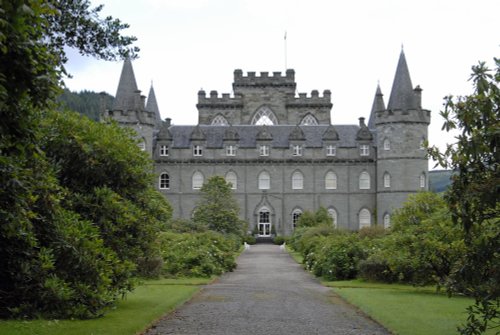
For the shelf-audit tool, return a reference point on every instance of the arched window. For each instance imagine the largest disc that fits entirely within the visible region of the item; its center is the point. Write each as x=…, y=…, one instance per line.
x=309, y=120
x=232, y=179
x=364, y=218
x=264, y=181
x=422, y=180
x=387, y=144
x=164, y=181
x=197, y=180
x=142, y=144
x=364, y=181
x=333, y=214
x=264, y=116
x=295, y=216
x=219, y=120
x=330, y=180
x=387, y=220
x=387, y=180
x=297, y=180
x=422, y=143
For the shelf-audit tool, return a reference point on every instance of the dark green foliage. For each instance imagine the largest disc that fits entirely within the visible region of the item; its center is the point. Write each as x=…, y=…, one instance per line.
x=249, y=239
x=279, y=240
x=85, y=102
x=218, y=209
x=474, y=195
x=179, y=225
x=310, y=219
x=197, y=254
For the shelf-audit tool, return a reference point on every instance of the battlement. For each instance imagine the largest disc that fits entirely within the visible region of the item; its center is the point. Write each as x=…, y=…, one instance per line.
x=314, y=100
x=131, y=116
x=264, y=79
x=216, y=101
x=403, y=116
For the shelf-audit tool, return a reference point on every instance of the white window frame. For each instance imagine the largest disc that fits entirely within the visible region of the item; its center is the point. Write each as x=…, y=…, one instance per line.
x=264, y=116
x=232, y=178
x=364, y=181
x=197, y=150
x=309, y=120
x=332, y=212
x=231, y=150
x=264, y=150
x=387, y=180
x=364, y=150
x=365, y=218
x=387, y=144
x=297, y=180
x=264, y=180
x=220, y=120
x=387, y=220
x=164, y=150
x=297, y=150
x=331, y=180
x=331, y=150
x=296, y=216
x=197, y=180
x=164, y=181
x=422, y=180
x=142, y=144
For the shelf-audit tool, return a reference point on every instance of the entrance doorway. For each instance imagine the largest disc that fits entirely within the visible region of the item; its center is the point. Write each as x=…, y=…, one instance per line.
x=264, y=224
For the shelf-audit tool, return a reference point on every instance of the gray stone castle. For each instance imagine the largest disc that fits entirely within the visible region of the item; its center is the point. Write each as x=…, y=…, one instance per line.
x=282, y=154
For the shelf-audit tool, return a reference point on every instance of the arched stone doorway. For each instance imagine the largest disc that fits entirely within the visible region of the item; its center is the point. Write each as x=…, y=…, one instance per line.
x=264, y=222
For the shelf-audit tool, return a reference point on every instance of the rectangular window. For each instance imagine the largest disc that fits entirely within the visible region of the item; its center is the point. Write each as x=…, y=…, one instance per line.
x=297, y=150
x=197, y=150
x=364, y=150
x=331, y=150
x=164, y=150
x=264, y=150
x=231, y=150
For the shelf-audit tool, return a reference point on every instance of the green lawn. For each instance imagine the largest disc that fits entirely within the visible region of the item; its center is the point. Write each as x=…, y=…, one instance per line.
x=404, y=309
x=132, y=315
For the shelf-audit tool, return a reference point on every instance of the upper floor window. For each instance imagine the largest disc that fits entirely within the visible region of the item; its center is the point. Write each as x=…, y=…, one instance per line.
x=364, y=150
x=422, y=144
x=387, y=144
x=331, y=150
x=387, y=180
x=264, y=150
x=422, y=180
x=309, y=120
x=219, y=120
x=296, y=150
x=364, y=218
x=197, y=180
x=197, y=150
x=296, y=216
x=264, y=117
x=387, y=220
x=264, y=181
x=164, y=181
x=142, y=144
x=297, y=180
x=330, y=181
x=364, y=181
x=333, y=214
x=232, y=179
x=230, y=150
x=163, y=150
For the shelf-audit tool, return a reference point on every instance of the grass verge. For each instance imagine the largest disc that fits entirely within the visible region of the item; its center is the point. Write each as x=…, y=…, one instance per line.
x=404, y=309
x=132, y=315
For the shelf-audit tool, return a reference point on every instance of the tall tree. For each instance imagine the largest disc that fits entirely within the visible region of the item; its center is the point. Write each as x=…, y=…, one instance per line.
x=474, y=194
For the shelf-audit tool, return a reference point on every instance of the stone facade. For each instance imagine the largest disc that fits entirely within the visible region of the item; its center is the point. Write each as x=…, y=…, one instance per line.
x=281, y=152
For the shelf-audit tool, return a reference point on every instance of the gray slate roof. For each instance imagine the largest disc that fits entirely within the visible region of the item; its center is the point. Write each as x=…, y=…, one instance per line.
x=214, y=135
x=402, y=94
x=125, y=94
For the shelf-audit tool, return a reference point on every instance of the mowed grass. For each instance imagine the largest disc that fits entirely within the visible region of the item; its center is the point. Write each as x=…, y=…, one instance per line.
x=404, y=309
x=147, y=303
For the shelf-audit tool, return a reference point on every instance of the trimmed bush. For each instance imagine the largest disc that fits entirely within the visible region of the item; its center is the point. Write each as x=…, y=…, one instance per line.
x=250, y=239
x=279, y=240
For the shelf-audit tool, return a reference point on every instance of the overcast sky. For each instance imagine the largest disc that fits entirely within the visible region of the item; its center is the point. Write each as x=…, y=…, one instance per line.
x=344, y=46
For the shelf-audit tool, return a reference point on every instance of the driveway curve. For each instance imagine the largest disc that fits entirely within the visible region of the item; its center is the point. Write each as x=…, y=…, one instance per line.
x=268, y=293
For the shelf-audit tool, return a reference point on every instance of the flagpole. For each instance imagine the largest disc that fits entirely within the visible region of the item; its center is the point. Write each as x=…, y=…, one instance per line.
x=286, y=67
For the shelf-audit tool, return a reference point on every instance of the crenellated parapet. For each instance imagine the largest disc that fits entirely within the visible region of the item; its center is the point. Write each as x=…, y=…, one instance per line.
x=131, y=116
x=314, y=100
x=264, y=79
x=387, y=116
x=214, y=101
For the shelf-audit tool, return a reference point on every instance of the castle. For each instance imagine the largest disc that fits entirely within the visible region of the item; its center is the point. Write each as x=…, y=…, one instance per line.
x=281, y=153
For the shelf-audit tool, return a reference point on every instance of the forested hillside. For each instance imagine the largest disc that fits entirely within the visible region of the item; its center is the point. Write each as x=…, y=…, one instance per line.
x=85, y=102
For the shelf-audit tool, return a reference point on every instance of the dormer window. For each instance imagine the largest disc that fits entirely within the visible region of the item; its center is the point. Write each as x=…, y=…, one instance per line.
x=296, y=150
x=331, y=150
x=230, y=150
x=197, y=150
x=364, y=150
x=164, y=150
x=264, y=150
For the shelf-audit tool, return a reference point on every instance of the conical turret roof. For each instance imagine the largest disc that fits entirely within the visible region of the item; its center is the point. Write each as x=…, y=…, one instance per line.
x=127, y=88
x=402, y=95
x=378, y=105
x=152, y=106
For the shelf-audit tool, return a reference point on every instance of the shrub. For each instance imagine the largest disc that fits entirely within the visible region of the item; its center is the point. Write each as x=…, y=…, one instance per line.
x=250, y=239
x=376, y=268
x=279, y=240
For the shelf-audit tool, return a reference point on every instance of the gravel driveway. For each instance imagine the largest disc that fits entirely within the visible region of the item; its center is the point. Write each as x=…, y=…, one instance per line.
x=268, y=293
